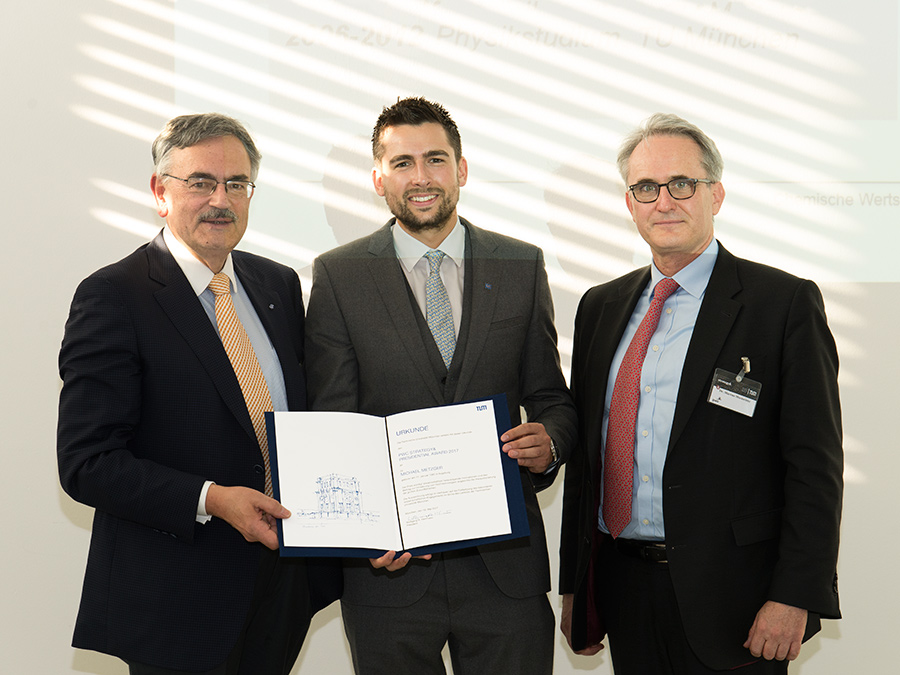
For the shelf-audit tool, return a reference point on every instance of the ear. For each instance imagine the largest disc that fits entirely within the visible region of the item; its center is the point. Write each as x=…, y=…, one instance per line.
x=629, y=203
x=159, y=194
x=377, y=181
x=718, y=191
x=462, y=171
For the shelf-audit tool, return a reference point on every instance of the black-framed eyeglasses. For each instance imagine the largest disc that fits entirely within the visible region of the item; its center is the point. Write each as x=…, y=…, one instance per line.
x=647, y=192
x=203, y=187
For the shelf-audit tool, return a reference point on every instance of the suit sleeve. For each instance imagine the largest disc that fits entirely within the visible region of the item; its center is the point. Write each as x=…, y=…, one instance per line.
x=577, y=473
x=545, y=395
x=99, y=411
x=331, y=364
x=810, y=434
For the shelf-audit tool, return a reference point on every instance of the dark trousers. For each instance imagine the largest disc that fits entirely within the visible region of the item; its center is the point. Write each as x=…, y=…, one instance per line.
x=275, y=628
x=487, y=631
x=643, y=623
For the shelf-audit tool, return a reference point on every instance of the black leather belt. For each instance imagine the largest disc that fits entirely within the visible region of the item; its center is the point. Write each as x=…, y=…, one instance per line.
x=648, y=551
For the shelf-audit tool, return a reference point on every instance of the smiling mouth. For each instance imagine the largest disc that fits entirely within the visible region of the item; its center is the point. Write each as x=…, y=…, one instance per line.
x=423, y=198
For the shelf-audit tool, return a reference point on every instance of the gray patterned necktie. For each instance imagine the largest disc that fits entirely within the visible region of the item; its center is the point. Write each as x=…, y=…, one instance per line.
x=437, y=308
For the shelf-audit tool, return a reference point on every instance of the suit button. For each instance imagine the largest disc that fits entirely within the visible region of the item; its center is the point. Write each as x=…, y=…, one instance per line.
x=258, y=469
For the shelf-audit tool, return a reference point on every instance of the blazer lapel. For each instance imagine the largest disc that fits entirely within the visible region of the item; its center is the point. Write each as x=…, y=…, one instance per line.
x=717, y=315
x=485, y=277
x=270, y=310
x=607, y=328
x=180, y=303
x=389, y=280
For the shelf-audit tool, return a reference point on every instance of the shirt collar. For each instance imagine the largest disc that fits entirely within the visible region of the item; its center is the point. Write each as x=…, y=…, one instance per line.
x=410, y=250
x=695, y=277
x=198, y=274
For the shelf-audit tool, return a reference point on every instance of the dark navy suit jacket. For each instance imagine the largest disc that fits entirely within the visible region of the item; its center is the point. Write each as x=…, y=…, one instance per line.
x=149, y=410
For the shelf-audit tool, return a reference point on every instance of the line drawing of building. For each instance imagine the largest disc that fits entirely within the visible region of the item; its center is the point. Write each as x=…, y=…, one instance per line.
x=339, y=498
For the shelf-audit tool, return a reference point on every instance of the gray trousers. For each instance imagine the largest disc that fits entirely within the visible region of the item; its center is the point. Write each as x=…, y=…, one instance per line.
x=487, y=631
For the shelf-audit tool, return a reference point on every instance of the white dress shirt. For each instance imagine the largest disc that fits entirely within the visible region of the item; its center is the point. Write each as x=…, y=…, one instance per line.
x=410, y=251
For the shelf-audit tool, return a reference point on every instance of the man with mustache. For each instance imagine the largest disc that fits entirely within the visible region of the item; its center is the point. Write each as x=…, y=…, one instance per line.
x=170, y=358
x=431, y=310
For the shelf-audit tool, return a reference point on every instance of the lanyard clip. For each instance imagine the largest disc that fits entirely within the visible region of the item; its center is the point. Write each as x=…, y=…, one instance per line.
x=745, y=368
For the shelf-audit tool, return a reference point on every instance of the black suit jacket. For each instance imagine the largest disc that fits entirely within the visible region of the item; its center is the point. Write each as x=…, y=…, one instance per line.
x=751, y=504
x=370, y=351
x=149, y=410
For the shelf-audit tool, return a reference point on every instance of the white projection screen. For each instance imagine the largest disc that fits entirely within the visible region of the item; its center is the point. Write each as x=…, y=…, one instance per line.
x=801, y=97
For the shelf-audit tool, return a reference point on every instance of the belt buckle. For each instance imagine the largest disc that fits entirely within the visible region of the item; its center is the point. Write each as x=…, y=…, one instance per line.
x=654, y=553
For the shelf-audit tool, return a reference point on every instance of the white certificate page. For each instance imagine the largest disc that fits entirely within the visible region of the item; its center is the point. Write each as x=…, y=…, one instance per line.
x=448, y=475
x=335, y=477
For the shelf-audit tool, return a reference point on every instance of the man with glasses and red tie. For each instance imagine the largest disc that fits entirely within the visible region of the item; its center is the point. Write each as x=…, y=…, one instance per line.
x=702, y=506
x=170, y=359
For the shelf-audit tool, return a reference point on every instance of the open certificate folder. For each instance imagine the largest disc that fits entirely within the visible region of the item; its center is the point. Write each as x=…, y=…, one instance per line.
x=422, y=481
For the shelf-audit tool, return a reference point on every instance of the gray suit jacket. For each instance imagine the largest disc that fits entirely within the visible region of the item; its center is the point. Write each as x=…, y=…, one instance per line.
x=367, y=352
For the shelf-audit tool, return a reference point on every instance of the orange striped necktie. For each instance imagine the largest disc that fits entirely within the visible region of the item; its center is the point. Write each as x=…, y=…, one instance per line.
x=246, y=367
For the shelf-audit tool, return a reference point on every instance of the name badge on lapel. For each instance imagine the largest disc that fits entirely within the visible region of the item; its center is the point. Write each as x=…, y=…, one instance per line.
x=735, y=391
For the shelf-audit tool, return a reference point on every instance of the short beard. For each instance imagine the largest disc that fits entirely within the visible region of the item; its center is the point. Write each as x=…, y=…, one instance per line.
x=413, y=223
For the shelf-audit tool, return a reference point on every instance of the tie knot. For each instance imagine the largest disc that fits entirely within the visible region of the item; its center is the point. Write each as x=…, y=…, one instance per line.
x=434, y=257
x=220, y=284
x=664, y=289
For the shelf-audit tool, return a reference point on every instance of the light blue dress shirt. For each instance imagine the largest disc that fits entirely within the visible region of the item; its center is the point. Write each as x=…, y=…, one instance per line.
x=660, y=379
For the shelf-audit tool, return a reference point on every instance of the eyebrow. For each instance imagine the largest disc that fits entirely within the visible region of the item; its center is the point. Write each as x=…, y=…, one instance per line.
x=427, y=155
x=671, y=178
x=203, y=174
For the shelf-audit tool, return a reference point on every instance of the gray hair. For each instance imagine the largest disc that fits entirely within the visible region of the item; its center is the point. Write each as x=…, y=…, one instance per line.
x=667, y=124
x=185, y=131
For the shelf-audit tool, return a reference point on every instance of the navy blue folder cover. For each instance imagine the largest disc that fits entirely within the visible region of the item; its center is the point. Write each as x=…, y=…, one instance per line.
x=518, y=519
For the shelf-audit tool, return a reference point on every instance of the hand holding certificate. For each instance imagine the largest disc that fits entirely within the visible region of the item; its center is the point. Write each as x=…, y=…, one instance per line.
x=423, y=480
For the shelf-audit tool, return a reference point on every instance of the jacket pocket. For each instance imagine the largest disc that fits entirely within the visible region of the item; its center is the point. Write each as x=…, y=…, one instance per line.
x=757, y=527
x=507, y=323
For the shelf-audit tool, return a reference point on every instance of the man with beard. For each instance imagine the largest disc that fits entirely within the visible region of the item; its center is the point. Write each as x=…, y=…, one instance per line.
x=431, y=310
x=170, y=358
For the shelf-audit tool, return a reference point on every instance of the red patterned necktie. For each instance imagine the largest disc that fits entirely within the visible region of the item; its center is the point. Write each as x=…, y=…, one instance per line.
x=618, y=460
x=246, y=367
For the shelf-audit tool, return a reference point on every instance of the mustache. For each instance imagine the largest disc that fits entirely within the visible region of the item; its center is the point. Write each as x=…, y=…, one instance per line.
x=218, y=214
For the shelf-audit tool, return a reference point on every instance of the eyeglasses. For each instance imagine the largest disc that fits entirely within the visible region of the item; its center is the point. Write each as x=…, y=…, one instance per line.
x=204, y=187
x=679, y=188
